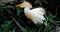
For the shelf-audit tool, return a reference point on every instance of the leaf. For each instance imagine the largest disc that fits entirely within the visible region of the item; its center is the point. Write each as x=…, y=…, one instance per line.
x=6, y=25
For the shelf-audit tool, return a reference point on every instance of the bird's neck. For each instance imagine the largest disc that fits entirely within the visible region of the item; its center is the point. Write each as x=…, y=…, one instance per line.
x=27, y=9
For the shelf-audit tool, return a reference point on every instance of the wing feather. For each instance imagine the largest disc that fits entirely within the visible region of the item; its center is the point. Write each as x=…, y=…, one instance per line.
x=37, y=15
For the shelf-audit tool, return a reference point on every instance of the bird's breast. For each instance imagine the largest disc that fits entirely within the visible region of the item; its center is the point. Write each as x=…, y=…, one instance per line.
x=28, y=15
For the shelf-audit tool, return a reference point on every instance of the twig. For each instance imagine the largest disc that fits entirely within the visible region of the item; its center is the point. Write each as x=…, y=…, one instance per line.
x=45, y=1
x=17, y=23
x=9, y=7
x=15, y=20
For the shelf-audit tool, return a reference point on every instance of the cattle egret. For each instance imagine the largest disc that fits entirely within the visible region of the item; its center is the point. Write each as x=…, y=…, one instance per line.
x=36, y=14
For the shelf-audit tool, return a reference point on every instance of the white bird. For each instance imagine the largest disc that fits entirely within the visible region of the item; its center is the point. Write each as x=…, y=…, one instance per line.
x=36, y=15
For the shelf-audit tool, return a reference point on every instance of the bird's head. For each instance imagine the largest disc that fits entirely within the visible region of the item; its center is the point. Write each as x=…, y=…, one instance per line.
x=24, y=5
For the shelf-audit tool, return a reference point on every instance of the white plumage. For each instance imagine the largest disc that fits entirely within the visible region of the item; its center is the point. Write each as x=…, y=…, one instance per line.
x=36, y=15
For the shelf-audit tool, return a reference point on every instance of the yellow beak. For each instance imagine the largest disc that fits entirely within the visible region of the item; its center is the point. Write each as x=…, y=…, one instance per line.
x=19, y=5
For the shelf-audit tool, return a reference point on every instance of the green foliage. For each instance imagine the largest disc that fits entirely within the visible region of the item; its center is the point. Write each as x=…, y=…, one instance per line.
x=6, y=26
x=18, y=11
x=29, y=30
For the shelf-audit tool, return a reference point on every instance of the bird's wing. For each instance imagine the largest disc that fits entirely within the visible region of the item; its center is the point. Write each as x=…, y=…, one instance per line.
x=37, y=15
x=40, y=10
